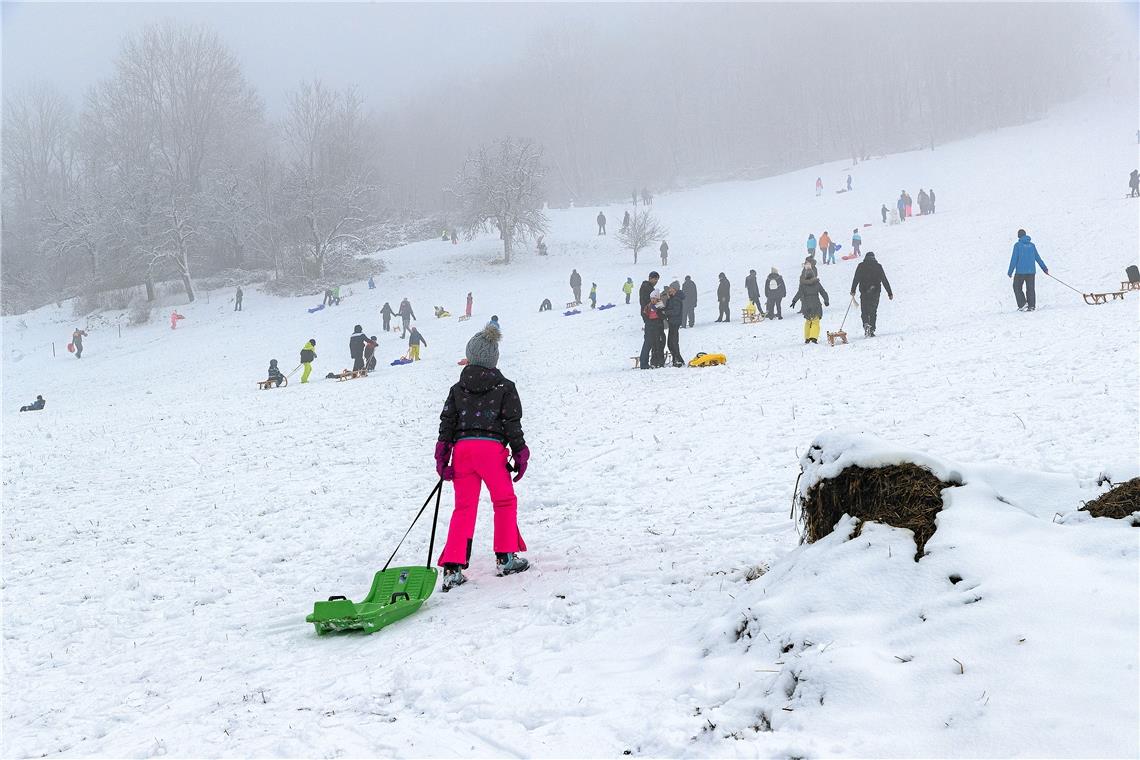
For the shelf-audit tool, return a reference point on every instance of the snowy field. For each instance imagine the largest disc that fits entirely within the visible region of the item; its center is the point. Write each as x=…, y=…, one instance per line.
x=167, y=527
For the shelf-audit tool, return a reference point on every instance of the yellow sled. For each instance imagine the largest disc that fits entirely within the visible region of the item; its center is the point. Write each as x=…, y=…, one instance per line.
x=708, y=360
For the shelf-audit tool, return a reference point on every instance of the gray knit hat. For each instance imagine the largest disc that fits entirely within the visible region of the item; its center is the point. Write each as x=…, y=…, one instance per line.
x=483, y=348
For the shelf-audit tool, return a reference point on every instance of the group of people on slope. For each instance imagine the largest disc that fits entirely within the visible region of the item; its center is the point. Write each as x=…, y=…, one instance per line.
x=663, y=314
x=405, y=313
x=819, y=186
x=904, y=206
x=869, y=279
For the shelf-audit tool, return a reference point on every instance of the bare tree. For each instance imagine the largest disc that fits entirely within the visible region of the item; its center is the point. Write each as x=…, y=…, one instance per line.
x=328, y=188
x=643, y=230
x=500, y=188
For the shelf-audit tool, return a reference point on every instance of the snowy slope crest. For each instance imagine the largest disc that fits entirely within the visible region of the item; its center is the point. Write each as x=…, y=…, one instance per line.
x=971, y=651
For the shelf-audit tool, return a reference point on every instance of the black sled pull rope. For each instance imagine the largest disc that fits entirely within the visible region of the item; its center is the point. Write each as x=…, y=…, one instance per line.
x=1067, y=285
x=437, y=494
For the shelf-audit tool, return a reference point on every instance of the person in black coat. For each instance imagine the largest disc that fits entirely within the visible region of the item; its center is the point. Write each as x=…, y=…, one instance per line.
x=884, y=210
x=809, y=295
x=774, y=292
x=689, y=292
x=576, y=286
x=386, y=313
x=601, y=223
x=35, y=406
x=356, y=348
x=722, y=295
x=643, y=301
x=654, y=316
x=871, y=281
x=674, y=316
x=753, y=289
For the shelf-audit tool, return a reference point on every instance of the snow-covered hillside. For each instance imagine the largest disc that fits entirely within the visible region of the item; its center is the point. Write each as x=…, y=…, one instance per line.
x=167, y=527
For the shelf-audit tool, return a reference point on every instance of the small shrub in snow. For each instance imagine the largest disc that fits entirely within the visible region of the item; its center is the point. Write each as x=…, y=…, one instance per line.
x=1118, y=502
x=140, y=312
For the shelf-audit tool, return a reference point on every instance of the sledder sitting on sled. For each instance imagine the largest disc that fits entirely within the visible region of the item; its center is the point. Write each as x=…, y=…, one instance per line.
x=481, y=417
x=35, y=406
x=275, y=375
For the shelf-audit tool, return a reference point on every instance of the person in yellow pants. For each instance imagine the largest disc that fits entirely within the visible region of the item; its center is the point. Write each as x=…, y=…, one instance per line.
x=414, y=341
x=810, y=292
x=308, y=354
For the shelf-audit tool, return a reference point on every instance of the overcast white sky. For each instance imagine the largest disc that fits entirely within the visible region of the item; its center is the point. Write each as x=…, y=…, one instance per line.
x=387, y=50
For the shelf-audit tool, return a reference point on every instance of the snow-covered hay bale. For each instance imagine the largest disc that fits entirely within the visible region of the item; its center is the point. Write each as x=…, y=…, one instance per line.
x=900, y=495
x=1119, y=502
x=870, y=481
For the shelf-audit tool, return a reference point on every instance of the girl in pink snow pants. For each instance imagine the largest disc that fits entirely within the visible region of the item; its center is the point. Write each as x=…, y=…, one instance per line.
x=481, y=418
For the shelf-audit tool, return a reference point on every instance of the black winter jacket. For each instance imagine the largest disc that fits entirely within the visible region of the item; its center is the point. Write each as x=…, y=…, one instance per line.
x=722, y=289
x=483, y=404
x=811, y=290
x=675, y=310
x=356, y=345
x=774, y=287
x=751, y=286
x=689, y=291
x=869, y=276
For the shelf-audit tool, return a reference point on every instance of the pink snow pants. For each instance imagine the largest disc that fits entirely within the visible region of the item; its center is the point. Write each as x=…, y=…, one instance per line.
x=477, y=462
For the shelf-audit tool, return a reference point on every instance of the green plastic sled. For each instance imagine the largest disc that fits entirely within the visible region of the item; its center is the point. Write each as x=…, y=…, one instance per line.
x=396, y=593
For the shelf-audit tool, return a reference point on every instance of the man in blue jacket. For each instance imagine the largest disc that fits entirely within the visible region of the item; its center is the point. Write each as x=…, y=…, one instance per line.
x=1023, y=268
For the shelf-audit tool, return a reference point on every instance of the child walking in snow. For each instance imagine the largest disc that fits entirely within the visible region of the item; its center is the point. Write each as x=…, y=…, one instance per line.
x=481, y=417
x=811, y=290
x=414, y=342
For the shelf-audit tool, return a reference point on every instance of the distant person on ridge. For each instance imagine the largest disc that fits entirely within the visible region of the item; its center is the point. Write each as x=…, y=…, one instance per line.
x=849, y=182
x=237, y=299
x=593, y=295
x=884, y=211
x=601, y=223
x=930, y=197
x=664, y=253
x=1024, y=262
x=470, y=303
x=625, y=222
x=818, y=186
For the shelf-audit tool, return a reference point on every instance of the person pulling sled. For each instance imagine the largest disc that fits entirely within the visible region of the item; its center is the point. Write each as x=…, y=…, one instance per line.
x=481, y=418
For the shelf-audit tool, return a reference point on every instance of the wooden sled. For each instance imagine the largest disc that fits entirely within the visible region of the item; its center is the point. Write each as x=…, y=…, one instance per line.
x=267, y=384
x=839, y=336
x=348, y=374
x=572, y=304
x=637, y=360
x=751, y=317
x=1126, y=286
x=1093, y=299
x=465, y=317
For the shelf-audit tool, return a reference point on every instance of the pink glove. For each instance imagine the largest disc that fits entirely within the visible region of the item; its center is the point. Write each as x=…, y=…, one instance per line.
x=522, y=456
x=442, y=458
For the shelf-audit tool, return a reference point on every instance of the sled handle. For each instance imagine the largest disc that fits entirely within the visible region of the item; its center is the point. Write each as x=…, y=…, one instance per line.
x=437, y=494
x=397, y=595
x=337, y=597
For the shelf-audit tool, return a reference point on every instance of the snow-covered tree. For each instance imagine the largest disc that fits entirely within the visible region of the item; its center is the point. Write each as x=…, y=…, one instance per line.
x=500, y=188
x=643, y=230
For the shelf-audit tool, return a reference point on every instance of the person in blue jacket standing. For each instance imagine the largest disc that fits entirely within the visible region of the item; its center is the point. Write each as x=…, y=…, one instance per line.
x=1023, y=268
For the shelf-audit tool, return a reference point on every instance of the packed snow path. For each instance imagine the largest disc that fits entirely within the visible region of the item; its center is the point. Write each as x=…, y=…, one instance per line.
x=167, y=526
